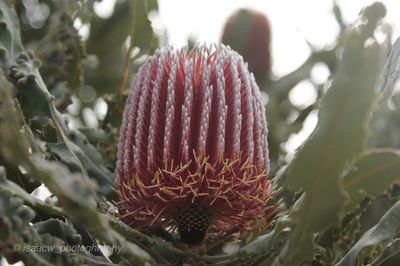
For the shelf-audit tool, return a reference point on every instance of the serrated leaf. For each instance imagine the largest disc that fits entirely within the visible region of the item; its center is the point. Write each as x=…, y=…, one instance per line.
x=22, y=69
x=59, y=229
x=371, y=174
x=387, y=228
x=40, y=243
x=38, y=103
x=14, y=215
x=89, y=157
x=339, y=136
x=75, y=193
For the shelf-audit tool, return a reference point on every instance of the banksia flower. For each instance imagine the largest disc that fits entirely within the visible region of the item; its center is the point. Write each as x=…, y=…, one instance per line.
x=249, y=33
x=192, y=154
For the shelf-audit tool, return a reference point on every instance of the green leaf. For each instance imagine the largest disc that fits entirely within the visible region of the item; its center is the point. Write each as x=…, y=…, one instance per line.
x=387, y=228
x=392, y=69
x=371, y=174
x=339, y=136
x=13, y=188
x=9, y=33
x=89, y=157
x=107, y=37
x=14, y=215
x=59, y=229
x=384, y=124
x=142, y=32
x=75, y=193
x=21, y=69
x=17, y=233
x=391, y=251
x=261, y=243
x=38, y=103
x=257, y=248
x=265, y=247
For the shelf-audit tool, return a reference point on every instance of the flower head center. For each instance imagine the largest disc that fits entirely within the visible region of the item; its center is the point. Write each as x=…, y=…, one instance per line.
x=193, y=224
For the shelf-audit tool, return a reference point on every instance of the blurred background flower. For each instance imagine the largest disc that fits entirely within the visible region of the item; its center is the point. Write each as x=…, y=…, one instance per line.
x=249, y=33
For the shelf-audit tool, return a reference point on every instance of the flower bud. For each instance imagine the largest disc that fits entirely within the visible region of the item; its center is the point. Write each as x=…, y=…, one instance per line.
x=249, y=33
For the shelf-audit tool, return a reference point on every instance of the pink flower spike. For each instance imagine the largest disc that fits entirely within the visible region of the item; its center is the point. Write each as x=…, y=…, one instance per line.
x=193, y=153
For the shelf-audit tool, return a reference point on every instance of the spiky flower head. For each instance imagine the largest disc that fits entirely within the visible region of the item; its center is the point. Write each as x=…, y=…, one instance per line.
x=193, y=150
x=249, y=33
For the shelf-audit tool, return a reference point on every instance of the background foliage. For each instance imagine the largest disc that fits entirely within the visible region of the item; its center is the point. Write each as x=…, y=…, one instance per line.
x=339, y=196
